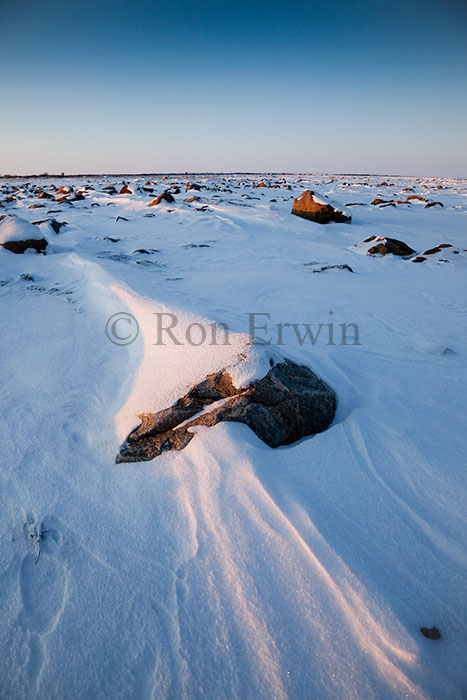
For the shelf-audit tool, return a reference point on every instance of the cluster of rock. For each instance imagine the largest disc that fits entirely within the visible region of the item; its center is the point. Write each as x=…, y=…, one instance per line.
x=383, y=245
x=379, y=202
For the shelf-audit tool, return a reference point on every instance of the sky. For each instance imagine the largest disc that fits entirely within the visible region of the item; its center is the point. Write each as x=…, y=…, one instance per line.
x=126, y=86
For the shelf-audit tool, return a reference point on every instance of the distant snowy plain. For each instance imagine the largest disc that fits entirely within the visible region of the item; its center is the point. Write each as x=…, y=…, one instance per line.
x=229, y=569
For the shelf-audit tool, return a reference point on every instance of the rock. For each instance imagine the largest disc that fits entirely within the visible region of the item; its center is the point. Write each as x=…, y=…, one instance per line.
x=377, y=201
x=419, y=259
x=19, y=247
x=437, y=249
x=166, y=196
x=195, y=198
x=390, y=245
x=433, y=204
x=125, y=190
x=192, y=186
x=289, y=403
x=310, y=206
x=55, y=225
x=333, y=267
x=431, y=632
x=18, y=235
x=195, y=245
x=417, y=197
x=44, y=195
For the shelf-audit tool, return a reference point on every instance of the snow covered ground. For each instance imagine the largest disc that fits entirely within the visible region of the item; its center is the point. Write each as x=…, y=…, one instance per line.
x=229, y=569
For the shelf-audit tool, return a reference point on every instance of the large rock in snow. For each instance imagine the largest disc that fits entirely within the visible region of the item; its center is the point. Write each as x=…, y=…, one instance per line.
x=287, y=404
x=389, y=246
x=17, y=235
x=382, y=245
x=319, y=209
x=164, y=196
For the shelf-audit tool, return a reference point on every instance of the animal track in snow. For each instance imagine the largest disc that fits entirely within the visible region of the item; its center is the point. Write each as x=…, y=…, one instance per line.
x=43, y=587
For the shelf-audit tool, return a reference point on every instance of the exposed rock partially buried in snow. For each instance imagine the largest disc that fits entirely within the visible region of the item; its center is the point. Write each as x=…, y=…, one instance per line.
x=17, y=235
x=390, y=245
x=164, y=196
x=310, y=206
x=287, y=404
x=382, y=245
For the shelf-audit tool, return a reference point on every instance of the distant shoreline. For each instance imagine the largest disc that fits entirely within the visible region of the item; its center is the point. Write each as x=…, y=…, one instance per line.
x=55, y=176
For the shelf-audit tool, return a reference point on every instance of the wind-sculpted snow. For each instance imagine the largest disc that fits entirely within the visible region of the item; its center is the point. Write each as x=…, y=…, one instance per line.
x=230, y=569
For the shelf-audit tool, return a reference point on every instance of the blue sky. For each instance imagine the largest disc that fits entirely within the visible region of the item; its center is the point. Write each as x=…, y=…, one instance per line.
x=247, y=86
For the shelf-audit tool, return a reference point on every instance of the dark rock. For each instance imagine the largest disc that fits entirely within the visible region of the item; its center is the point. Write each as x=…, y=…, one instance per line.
x=56, y=225
x=289, y=403
x=44, y=195
x=307, y=206
x=125, y=190
x=433, y=204
x=333, y=267
x=419, y=259
x=166, y=196
x=430, y=632
x=121, y=218
x=417, y=197
x=379, y=201
x=18, y=247
x=432, y=251
x=195, y=245
x=391, y=245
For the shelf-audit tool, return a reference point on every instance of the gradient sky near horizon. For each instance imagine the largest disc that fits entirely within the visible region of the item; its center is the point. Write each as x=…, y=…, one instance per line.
x=123, y=86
